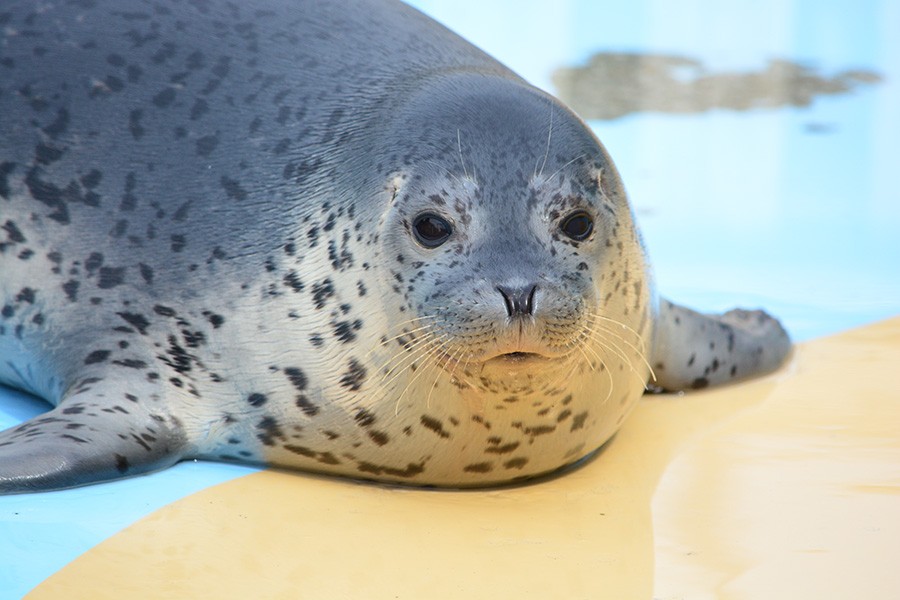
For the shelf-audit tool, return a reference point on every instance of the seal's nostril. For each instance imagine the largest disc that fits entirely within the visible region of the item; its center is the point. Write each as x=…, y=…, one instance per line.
x=518, y=301
x=506, y=300
x=529, y=301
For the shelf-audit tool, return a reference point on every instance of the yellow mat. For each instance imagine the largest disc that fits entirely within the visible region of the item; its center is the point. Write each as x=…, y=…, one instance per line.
x=785, y=487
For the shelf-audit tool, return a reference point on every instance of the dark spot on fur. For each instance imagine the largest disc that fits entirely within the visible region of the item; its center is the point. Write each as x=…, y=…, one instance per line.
x=46, y=155
x=214, y=319
x=434, y=425
x=13, y=234
x=200, y=108
x=146, y=273
x=504, y=449
x=327, y=458
x=206, y=144
x=233, y=189
x=6, y=168
x=364, y=418
x=578, y=421
x=411, y=469
x=134, y=124
x=93, y=262
x=269, y=431
x=131, y=363
x=516, y=463
x=483, y=467
x=110, y=277
x=296, y=377
x=178, y=242
x=71, y=289
x=322, y=292
x=164, y=311
x=354, y=377
x=539, y=430
x=292, y=280
x=308, y=408
x=136, y=320
x=344, y=330
x=177, y=357
x=97, y=356
x=164, y=98
x=122, y=465
x=257, y=399
x=379, y=437
x=300, y=450
x=59, y=125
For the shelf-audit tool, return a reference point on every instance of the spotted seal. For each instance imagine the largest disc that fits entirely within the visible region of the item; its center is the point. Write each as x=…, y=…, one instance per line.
x=327, y=236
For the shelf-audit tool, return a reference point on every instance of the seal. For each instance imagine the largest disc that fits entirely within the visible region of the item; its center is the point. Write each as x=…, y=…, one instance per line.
x=327, y=236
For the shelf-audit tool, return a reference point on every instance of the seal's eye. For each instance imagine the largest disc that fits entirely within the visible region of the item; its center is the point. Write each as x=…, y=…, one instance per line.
x=431, y=230
x=578, y=226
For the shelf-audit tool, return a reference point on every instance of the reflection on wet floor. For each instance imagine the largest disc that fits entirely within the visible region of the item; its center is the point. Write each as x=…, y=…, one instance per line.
x=613, y=85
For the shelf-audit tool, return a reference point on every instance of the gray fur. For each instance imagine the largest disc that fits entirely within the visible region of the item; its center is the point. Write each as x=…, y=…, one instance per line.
x=206, y=251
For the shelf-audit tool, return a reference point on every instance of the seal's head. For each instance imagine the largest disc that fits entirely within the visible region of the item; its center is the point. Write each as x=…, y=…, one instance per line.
x=515, y=272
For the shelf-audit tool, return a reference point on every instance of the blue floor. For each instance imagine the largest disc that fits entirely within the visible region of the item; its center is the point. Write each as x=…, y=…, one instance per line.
x=793, y=209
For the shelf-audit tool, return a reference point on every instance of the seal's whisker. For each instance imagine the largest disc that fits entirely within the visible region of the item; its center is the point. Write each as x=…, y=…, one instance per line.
x=605, y=368
x=538, y=174
x=464, y=374
x=406, y=333
x=567, y=374
x=619, y=354
x=432, y=317
x=587, y=358
x=455, y=361
x=622, y=325
x=609, y=342
x=575, y=343
x=459, y=149
x=559, y=170
x=423, y=347
x=431, y=354
x=452, y=175
x=604, y=329
x=407, y=353
x=434, y=366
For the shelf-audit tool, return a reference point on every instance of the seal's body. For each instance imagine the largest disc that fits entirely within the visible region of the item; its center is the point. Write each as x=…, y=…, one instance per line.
x=329, y=236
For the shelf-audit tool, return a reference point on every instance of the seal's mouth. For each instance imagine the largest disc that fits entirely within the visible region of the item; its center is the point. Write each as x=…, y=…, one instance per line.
x=518, y=359
x=518, y=356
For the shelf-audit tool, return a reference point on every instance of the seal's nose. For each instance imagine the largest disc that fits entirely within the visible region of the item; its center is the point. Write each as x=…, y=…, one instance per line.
x=519, y=301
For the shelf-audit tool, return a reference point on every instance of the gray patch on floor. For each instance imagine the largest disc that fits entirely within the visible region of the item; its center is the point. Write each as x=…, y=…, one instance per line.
x=612, y=85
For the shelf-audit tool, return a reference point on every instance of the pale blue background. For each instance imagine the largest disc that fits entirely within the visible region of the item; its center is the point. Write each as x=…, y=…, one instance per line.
x=745, y=208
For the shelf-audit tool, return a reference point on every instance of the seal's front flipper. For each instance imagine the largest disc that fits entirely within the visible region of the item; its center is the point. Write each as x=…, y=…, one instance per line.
x=96, y=434
x=693, y=350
